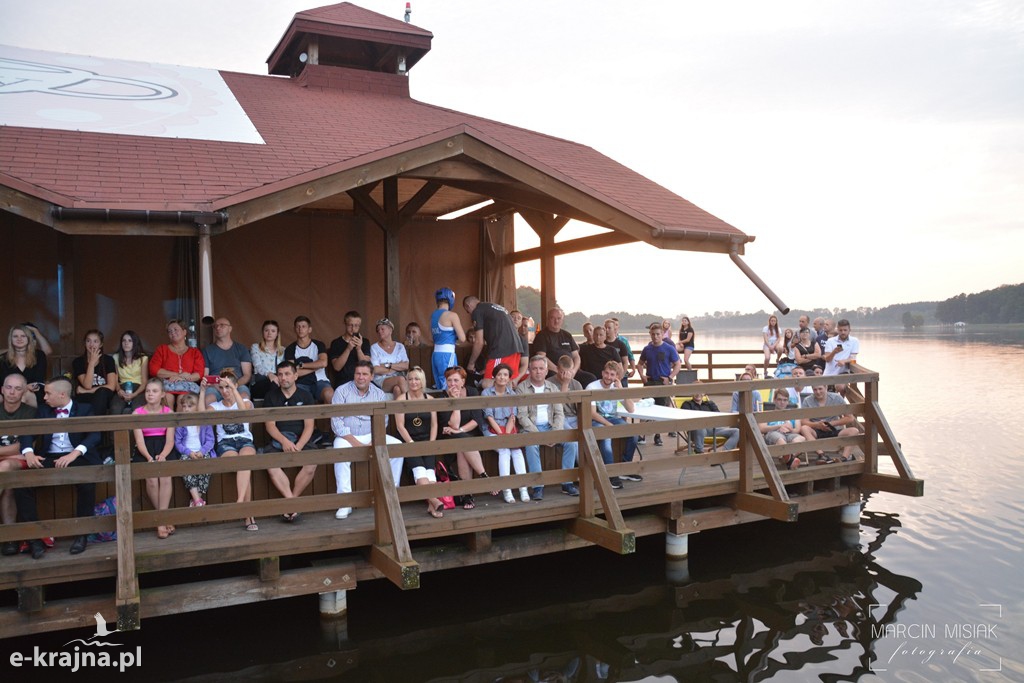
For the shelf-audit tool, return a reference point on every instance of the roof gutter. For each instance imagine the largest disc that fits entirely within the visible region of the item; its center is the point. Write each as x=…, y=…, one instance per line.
x=141, y=215
x=765, y=289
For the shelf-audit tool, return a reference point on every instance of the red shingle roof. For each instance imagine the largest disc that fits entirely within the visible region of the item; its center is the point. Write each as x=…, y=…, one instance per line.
x=347, y=14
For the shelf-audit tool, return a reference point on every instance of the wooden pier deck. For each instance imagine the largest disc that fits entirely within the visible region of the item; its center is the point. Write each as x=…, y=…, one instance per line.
x=389, y=534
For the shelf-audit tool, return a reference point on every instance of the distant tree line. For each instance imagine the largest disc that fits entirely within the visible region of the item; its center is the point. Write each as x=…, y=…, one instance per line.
x=1001, y=305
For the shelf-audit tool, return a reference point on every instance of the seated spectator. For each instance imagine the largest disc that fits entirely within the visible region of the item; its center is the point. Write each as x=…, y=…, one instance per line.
x=783, y=431
x=355, y=430
x=266, y=354
x=544, y=417
x=418, y=427
x=290, y=436
x=607, y=413
x=155, y=444
x=594, y=356
x=348, y=349
x=194, y=443
x=794, y=394
x=310, y=356
x=11, y=459
x=806, y=352
x=95, y=374
x=700, y=401
x=588, y=333
x=827, y=427
x=758, y=403
x=553, y=342
x=233, y=439
x=460, y=424
x=28, y=360
x=770, y=336
x=132, y=365
x=566, y=382
x=502, y=420
x=659, y=364
x=390, y=360
x=785, y=351
x=225, y=352
x=63, y=449
x=751, y=370
x=179, y=365
x=685, y=345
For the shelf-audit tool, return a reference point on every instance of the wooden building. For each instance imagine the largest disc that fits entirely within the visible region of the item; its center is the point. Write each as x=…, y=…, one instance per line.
x=333, y=202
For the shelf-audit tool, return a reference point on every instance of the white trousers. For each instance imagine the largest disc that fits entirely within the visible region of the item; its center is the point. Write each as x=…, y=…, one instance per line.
x=343, y=470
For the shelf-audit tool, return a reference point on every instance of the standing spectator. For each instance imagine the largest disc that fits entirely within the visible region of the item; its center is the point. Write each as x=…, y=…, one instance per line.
x=520, y=373
x=390, y=360
x=95, y=374
x=686, y=343
x=611, y=326
x=588, y=333
x=179, y=365
x=553, y=342
x=819, y=333
x=132, y=373
x=446, y=329
x=494, y=329
x=266, y=354
x=348, y=349
x=194, y=443
x=841, y=351
x=155, y=444
x=594, y=356
x=310, y=356
x=25, y=358
x=770, y=336
x=659, y=364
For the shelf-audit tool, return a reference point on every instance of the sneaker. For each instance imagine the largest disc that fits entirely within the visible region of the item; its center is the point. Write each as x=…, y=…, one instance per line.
x=570, y=490
x=342, y=513
x=658, y=441
x=509, y=498
x=537, y=493
x=524, y=494
x=200, y=503
x=615, y=482
x=631, y=477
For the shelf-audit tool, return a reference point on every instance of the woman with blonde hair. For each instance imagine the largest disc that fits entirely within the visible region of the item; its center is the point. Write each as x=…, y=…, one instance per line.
x=419, y=426
x=26, y=358
x=266, y=355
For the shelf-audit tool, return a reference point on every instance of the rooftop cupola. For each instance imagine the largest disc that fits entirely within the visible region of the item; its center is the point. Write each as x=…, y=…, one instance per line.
x=344, y=35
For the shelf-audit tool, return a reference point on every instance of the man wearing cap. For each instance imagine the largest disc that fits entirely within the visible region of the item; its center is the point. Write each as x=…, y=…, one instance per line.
x=446, y=329
x=495, y=329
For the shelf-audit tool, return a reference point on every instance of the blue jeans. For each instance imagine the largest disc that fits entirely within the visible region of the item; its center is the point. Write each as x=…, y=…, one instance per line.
x=569, y=451
x=606, y=444
x=731, y=434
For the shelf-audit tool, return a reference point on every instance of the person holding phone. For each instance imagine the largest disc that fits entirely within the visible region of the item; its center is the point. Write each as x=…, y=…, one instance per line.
x=348, y=349
x=841, y=351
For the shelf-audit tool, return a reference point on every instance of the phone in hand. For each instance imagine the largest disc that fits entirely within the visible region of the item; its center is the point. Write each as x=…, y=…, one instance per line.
x=212, y=379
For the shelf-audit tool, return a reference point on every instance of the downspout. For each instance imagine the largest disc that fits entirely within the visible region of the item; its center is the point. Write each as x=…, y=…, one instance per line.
x=765, y=289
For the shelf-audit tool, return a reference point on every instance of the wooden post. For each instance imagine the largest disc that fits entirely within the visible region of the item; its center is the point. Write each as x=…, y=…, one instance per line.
x=392, y=226
x=547, y=227
x=67, y=344
x=390, y=553
x=870, y=428
x=746, y=448
x=585, y=452
x=127, y=595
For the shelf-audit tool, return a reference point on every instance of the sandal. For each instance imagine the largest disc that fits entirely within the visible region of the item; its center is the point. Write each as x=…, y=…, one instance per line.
x=435, y=513
x=251, y=525
x=849, y=458
x=467, y=502
x=792, y=462
x=484, y=475
x=170, y=529
x=161, y=532
x=827, y=460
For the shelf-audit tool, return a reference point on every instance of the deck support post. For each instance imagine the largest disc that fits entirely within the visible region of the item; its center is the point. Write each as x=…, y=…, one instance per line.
x=677, y=546
x=333, y=604
x=849, y=524
x=31, y=598
x=127, y=594
x=677, y=570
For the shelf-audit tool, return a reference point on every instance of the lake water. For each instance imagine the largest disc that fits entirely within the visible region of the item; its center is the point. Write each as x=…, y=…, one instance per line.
x=940, y=575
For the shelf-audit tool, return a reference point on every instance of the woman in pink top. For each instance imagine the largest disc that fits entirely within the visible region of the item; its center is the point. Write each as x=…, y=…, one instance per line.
x=154, y=444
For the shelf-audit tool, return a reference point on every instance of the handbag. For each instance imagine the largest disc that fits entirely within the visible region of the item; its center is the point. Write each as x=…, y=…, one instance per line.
x=443, y=477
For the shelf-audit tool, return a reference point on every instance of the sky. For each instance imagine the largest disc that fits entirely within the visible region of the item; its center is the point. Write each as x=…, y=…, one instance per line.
x=875, y=149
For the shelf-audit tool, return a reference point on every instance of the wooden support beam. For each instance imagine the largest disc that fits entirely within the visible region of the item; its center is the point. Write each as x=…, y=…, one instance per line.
x=889, y=439
x=756, y=448
x=766, y=506
x=523, y=197
x=31, y=599
x=479, y=541
x=604, y=239
x=270, y=568
x=870, y=429
x=891, y=484
x=127, y=592
x=598, y=532
x=456, y=169
x=747, y=459
x=361, y=198
x=417, y=201
x=403, y=573
x=547, y=227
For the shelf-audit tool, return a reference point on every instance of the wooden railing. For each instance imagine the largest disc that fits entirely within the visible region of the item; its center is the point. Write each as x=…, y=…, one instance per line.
x=599, y=518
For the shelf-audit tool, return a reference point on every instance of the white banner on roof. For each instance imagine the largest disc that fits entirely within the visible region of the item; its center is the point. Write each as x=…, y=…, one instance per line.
x=52, y=90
